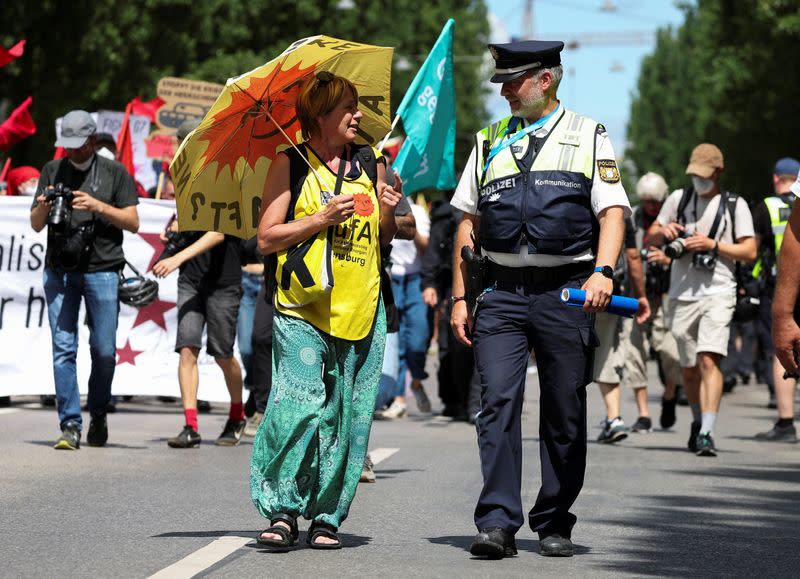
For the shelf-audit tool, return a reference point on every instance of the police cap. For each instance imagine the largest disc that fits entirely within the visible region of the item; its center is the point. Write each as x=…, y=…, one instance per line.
x=514, y=59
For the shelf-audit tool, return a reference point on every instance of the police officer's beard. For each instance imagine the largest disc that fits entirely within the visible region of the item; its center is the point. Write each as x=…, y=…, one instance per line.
x=532, y=106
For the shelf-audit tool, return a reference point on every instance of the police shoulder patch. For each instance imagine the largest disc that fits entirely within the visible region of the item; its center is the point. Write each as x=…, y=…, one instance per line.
x=608, y=171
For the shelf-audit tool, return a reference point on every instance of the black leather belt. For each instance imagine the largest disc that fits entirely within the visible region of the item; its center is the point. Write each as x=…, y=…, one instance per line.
x=537, y=276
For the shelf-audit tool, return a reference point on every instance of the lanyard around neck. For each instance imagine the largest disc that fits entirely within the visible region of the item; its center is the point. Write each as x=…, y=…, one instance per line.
x=340, y=174
x=512, y=125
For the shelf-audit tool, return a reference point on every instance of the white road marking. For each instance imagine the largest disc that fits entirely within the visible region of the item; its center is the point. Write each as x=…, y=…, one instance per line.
x=217, y=550
x=202, y=559
x=381, y=454
x=8, y=410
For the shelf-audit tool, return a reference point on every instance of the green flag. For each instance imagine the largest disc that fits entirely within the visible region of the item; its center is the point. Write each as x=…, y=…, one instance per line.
x=428, y=111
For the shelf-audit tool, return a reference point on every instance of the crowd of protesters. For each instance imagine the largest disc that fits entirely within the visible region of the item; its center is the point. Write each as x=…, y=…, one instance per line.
x=701, y=263
x=419, y=264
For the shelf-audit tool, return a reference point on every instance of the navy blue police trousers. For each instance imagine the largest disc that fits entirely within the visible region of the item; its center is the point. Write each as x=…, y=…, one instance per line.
x=521, y=313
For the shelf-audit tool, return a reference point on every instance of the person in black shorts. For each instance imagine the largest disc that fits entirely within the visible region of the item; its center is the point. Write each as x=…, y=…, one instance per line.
x=209, y=292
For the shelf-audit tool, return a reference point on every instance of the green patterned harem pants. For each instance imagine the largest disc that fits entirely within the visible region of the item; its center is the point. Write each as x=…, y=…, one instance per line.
x=310, y=447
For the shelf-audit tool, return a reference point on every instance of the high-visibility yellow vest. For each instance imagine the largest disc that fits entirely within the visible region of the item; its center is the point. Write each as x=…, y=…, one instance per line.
x=333, y=281
x=549, y=204
x=779, y=211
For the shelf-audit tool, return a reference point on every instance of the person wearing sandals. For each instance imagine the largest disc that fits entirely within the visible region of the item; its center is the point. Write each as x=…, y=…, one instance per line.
x=327, y=208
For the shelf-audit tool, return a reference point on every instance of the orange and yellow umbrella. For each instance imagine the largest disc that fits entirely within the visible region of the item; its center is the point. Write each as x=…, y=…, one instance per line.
x=220, y=168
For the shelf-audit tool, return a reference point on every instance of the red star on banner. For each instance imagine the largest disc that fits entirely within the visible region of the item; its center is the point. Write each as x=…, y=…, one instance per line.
x=127, y=355
x=155, y=313
x=154, y=239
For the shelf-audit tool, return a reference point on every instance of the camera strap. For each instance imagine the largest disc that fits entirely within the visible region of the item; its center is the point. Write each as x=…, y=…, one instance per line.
x=721, y=208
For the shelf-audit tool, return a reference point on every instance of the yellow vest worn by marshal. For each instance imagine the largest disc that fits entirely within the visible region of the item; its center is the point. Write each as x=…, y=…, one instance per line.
x=767, y=264
x=542, y=198
x=332, y=280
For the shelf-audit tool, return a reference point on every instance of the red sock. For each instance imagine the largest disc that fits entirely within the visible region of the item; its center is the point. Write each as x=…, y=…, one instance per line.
x=191, y=417
x=236, y=411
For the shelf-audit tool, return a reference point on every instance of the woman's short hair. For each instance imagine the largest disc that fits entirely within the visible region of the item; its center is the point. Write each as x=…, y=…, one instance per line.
x=318, y=97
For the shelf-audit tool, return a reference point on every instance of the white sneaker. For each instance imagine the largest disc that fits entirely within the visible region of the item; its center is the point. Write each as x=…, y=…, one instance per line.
x=367, y=472
x=423, y=404
x=252, y=424
x=395, y=410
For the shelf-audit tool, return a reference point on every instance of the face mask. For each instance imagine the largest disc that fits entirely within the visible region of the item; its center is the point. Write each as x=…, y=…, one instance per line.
x=103, y=152
x=701, y=185
x=83, y=166
x=28, y=191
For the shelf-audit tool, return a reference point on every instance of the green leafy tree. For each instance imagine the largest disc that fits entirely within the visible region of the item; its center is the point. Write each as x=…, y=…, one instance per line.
x=728, y=75
x=99, y=54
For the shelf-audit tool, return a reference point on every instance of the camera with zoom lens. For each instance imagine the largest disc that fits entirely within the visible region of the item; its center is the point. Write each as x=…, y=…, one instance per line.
x=676, y=248
x=656, y=276
x=176, y=242
x=71, y=245
x=60, y=213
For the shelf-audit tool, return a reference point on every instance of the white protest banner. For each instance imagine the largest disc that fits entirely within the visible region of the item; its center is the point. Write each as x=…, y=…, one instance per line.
x=146, y=360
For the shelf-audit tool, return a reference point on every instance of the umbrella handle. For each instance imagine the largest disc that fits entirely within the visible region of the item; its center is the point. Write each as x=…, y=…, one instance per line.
x=291, y=142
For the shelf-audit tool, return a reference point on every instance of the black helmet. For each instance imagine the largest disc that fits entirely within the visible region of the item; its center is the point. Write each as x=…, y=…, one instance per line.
x=137, y=291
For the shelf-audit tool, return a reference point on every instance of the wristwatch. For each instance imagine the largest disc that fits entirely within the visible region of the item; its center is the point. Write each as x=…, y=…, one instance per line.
x=606, y=270
x=454, y=299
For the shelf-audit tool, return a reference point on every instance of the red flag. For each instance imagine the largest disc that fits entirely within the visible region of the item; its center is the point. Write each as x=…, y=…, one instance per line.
x=147, y=109
x=4, y=172
x=18, y=126
x=124, y=143
x=12, y=54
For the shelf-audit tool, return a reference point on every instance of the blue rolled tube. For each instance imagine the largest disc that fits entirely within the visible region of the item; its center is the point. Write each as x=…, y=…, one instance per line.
x=619, y=305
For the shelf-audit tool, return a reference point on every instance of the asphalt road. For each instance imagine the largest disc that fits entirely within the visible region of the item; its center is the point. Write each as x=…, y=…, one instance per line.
x=649, y=508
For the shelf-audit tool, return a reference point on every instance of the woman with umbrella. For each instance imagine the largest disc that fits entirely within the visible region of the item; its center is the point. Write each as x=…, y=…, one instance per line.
x=326, y=210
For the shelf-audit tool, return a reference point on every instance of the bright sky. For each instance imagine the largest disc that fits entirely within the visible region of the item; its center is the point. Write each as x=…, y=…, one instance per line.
x=600, y=74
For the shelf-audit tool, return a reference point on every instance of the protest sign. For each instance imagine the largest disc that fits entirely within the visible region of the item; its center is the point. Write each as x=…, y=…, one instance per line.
x=184, y=99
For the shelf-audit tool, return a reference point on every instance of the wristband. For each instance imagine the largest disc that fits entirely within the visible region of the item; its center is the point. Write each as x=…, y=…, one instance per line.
x=454, y=299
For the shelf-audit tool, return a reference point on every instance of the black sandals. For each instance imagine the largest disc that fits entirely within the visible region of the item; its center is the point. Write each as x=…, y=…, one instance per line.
x=288, y=537
x=317, y=530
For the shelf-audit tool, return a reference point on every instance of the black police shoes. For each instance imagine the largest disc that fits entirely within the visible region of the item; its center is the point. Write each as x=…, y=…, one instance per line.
x=493, y=543
x=555, y=545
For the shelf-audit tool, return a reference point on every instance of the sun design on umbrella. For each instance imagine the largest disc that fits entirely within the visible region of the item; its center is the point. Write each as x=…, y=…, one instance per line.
x=247, y=117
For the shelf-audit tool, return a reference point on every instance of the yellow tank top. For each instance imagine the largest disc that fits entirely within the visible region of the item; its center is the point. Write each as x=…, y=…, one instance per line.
x=347, y=310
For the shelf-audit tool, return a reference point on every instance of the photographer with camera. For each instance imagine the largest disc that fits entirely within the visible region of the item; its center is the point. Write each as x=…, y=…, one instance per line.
x=706, y=231
x=86, y=201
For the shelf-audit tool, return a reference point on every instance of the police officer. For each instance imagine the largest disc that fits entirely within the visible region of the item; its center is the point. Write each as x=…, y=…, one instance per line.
x=541, y=193
x=769, y=221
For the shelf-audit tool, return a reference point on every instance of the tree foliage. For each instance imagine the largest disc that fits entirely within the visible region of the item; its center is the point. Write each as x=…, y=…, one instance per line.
x=99, y=54
x=729, y=75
